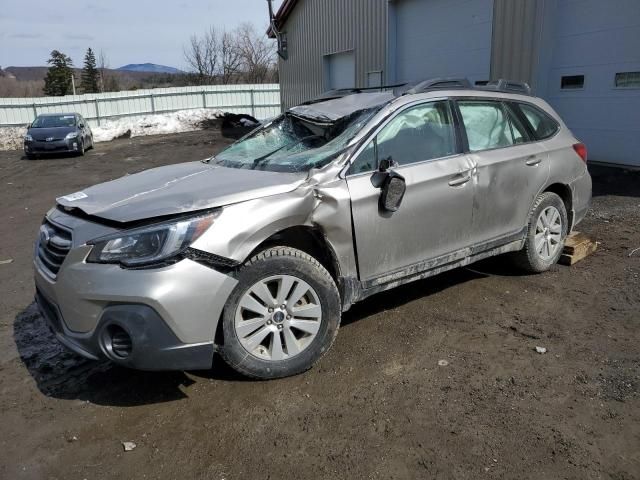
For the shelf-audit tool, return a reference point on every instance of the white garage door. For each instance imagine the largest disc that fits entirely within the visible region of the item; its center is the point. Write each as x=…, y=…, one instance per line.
x=594, y=79
x=442, y=38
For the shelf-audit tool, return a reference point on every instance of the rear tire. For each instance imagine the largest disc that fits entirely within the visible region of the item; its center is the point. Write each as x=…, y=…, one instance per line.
x=282, y=317
x=546, y=234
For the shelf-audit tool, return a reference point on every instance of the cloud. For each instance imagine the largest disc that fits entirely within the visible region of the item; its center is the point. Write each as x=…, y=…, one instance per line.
x=25, y=35
x=78, y=36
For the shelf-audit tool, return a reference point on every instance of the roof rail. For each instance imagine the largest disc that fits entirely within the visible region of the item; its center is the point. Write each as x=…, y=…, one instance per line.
x=509, y=86
x=439, y=83
x=343, y=92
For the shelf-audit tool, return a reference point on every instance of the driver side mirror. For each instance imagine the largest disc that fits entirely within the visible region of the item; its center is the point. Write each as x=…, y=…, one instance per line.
x=393, y=192
x=391, y=184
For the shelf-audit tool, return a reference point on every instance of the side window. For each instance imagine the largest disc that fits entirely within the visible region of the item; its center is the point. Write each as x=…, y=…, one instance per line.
x=420, y=133
x=366, y=161
x=542, y=125
x=487, y=126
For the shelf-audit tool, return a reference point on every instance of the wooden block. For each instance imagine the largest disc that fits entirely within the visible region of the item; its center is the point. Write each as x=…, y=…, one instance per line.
x=577, y=246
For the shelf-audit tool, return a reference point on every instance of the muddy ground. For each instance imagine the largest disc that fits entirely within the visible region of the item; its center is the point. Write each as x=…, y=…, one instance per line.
x=379, y=405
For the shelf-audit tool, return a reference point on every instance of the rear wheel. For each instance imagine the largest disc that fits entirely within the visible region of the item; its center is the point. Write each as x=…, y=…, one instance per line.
x=283, y=315
x=546, y=234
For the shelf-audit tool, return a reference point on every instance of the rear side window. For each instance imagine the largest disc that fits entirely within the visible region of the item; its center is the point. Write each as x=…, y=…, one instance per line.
x=487, y=126
x=541, y=124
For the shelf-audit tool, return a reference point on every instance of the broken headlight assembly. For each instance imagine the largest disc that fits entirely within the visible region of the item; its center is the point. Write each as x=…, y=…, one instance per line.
x=153, y=244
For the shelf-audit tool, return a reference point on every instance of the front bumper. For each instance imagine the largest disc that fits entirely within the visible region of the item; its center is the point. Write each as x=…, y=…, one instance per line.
x=153, y=345
x=56, y=146
x=170, y=313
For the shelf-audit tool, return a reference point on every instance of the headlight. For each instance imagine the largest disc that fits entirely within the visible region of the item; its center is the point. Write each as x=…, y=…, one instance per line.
x=71, y=135
x=28, y=138
x=151, y=244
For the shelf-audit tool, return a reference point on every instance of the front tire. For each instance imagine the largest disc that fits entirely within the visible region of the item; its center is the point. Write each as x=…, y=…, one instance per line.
x=546, y=234
x=283, y=315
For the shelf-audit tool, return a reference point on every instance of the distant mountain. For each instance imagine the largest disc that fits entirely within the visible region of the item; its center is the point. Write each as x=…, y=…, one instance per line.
x=148, y=67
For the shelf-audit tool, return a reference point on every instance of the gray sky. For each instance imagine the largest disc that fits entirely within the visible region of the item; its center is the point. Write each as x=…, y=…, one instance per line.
x=129, y=31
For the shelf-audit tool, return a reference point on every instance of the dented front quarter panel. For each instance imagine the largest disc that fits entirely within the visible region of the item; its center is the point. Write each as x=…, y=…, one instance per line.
x=321, y=202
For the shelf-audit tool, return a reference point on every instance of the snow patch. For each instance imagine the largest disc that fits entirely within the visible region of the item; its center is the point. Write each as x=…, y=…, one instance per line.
x=11, y=138
x=175, y=122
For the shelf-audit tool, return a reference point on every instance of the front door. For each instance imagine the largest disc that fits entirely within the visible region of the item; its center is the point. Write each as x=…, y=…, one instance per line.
x=435, y=216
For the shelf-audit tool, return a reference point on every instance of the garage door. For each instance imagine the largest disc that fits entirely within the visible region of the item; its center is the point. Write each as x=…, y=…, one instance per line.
x=594, y=79
x=441, y=38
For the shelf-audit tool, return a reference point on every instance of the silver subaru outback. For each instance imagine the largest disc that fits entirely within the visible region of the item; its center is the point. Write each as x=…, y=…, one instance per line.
x=256, y=252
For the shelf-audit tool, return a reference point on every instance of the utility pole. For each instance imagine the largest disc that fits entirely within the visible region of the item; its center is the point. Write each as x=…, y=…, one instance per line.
x=73, y=83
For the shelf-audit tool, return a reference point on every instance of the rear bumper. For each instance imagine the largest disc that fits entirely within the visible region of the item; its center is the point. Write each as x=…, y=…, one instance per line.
x=582, y=190
x=154, y=346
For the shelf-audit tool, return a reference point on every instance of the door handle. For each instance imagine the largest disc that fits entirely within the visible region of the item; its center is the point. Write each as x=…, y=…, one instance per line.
x=533, y=160
x=460, y=179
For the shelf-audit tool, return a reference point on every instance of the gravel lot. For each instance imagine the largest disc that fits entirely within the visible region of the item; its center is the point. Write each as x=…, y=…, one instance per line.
x=380, y=404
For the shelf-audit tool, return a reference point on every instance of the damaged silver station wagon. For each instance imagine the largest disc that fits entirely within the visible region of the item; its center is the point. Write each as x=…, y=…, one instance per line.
x=257, y=251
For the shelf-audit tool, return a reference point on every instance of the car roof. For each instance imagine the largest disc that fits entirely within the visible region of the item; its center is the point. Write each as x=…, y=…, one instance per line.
x=335, y=108
x=61, y=114
x=336, y=104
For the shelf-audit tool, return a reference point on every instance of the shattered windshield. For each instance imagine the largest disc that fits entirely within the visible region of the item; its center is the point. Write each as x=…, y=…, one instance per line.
x=293, y=144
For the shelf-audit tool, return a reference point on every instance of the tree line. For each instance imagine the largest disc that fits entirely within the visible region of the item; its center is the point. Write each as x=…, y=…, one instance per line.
x=241, y=55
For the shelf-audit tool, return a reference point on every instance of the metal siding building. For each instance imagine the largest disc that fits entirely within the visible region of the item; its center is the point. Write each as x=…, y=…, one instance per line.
x=583, y=56
x=318, y=30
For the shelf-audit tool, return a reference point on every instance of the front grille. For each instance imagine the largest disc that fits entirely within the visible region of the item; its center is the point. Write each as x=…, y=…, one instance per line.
x=54, y=244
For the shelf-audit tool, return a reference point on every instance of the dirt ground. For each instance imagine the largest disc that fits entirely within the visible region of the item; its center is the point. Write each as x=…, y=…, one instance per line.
x=379, y=405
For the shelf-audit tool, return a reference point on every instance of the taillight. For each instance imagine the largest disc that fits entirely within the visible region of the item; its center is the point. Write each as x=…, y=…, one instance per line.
x=581, y=150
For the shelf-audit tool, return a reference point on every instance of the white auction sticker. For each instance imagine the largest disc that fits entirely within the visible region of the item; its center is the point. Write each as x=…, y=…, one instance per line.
x=74, y=196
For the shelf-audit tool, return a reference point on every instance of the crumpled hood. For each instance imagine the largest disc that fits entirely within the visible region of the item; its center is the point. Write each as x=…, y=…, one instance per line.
x=179, y=188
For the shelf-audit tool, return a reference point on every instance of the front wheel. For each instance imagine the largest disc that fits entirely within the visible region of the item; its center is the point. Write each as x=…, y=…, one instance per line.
x=283, y=315
x=546, y=234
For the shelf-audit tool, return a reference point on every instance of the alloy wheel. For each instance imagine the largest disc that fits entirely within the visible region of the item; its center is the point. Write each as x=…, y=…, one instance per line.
x=548, y=237
x=278, y=317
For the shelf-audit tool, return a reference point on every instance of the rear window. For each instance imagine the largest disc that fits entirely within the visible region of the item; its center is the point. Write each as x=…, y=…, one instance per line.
x=540, y=124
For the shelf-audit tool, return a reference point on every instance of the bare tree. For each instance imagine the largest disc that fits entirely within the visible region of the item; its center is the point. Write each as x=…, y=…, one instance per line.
x=231, y=56
x=257, y=54
x=103, y=65
x=202, y=55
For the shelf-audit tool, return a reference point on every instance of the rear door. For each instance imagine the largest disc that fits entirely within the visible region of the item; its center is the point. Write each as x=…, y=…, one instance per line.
x=435, y=214
x=511, y=168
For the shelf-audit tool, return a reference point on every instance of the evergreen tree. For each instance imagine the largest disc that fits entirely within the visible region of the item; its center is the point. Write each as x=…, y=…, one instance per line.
x=58, y=79
x=89, y=79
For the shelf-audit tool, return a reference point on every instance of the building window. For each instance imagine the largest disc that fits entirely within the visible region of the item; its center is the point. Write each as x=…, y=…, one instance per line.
x=628, y=80
x=572, y=82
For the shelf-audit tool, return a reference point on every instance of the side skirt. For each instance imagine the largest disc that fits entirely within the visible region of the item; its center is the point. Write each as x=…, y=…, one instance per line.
x=360, y=290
